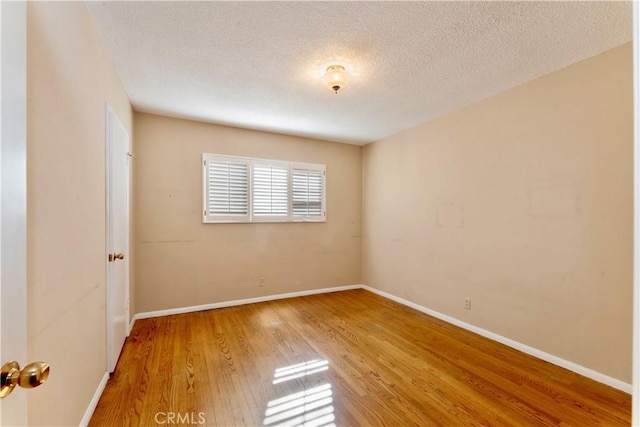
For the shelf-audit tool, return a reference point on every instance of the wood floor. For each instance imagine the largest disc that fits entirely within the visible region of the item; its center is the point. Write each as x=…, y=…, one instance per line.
x=345, y=358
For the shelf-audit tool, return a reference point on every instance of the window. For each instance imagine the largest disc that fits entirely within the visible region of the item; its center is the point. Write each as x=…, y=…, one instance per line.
x=242, y=189
x=227, y=189
x=270, y=191
x=307, y=192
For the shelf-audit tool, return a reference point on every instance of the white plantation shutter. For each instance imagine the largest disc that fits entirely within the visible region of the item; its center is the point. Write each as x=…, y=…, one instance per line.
x=244, y=189
x=308, y=193
x=226, y=189
x=270, y=191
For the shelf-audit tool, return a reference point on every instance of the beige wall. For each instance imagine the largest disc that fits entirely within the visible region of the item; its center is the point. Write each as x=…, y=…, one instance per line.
x=522, y=202
x=182, y=262
x=70, y=77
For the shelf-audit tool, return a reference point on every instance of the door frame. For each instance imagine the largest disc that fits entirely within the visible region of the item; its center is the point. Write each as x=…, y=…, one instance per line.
x=635, y=406
x=109, y=249
x=13, y=199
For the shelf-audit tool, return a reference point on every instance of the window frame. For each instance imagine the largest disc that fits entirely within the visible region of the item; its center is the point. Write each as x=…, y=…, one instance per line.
x=250, y=217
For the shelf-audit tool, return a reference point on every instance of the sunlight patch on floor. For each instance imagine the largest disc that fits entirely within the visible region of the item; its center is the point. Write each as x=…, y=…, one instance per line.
x=300, y=370
x=309, y=408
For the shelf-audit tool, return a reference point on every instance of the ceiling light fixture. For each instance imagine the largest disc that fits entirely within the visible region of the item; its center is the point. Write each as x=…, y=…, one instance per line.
x=336, y=77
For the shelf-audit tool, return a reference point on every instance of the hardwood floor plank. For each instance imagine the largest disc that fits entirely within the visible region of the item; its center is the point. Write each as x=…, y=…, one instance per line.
x=345, y=358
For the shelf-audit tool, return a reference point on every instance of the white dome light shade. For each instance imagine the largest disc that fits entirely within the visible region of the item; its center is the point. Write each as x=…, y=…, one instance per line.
x=336, y=77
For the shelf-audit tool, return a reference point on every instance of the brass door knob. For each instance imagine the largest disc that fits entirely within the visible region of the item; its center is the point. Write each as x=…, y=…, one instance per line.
x=114, y=256
x=30, y=376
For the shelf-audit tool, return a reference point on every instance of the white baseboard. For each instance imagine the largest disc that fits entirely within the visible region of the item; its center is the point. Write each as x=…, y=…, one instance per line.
x=563, y=363
x=94, y=401
x=169, y=312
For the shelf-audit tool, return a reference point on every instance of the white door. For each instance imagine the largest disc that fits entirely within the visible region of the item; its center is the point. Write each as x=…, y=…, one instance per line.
x=118, y=173
x=13, y=202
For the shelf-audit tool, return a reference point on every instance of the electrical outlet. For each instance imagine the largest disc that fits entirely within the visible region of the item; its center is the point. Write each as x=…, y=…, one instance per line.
x=261, y=282
x=467, y=304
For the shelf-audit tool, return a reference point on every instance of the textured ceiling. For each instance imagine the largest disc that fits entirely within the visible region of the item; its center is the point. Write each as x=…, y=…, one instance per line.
x=257, y=65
